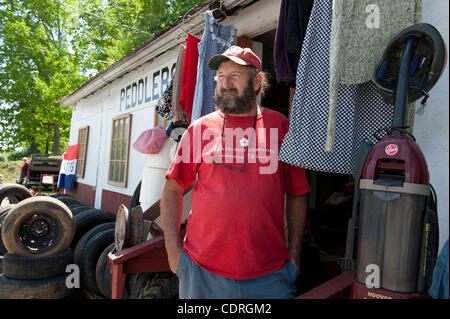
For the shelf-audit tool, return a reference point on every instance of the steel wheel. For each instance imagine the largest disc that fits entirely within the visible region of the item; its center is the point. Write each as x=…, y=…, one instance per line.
x=38, y=226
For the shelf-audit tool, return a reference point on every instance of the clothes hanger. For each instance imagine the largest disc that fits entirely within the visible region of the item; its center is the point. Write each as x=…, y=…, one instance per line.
x=180, y=33
x=222, y=12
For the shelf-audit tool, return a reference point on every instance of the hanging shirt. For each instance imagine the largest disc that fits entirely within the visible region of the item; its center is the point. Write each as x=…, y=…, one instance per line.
x=189, y=76
x=179, y=115
x=216, y=39
x=292, y=24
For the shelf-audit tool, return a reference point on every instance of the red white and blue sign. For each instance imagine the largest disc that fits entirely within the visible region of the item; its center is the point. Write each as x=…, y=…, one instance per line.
x=67, y=176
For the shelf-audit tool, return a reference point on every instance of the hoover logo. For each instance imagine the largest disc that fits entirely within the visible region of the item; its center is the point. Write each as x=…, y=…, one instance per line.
x=391, y=149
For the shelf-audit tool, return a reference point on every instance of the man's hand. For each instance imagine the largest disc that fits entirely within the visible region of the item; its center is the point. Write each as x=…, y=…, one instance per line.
x=174, y=255
x=171, y=211
x=296, y=210
x=296, y=264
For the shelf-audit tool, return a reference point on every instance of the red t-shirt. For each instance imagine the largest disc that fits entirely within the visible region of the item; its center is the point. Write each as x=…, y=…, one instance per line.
x=24, y=168
x=236, y=225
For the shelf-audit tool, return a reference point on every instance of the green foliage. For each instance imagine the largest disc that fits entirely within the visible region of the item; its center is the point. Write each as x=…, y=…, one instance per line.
x=48, y=49
x=18, y=155
x=136, y=21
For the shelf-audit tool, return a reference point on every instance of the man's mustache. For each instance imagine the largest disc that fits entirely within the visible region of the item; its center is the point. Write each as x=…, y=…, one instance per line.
x=225, y=91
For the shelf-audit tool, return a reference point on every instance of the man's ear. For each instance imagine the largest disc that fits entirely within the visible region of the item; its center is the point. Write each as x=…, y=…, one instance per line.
x=257, y=82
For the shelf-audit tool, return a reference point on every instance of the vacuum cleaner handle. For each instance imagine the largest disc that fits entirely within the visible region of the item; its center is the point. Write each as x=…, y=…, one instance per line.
x=430, y=244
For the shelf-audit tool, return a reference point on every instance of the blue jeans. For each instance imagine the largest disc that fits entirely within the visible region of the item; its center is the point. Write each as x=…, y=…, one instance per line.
x=439, y=286
x=197, y=283
x=22, y=177
x=216, y=39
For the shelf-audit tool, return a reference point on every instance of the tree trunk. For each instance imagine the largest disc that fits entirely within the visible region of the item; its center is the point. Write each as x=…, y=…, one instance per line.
x=33, y=147
x=47, y=143
x=55, y=150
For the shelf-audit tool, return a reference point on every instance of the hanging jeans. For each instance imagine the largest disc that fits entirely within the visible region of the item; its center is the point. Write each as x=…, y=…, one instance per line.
x=216, y=39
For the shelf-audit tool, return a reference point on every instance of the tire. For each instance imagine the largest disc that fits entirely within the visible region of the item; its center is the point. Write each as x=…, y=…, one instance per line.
x=83, y=240
x=61, y=195
x=68, y=200
x=89, y=257
x=135, y=199
x=89, y=218
x=155, y=286
x=74, y=205
x=51, y=288
x=78, y=209
x=38, y=226
x=31, y=268
x=103, y=275
x=3, y=212
x=14, y=192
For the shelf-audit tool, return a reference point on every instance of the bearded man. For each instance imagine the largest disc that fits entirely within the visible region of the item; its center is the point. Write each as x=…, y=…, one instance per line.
x=235, y=236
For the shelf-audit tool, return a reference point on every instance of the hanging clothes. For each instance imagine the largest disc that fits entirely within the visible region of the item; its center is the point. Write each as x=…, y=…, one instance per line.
x=189, y=76
x=179, y=115
x=360, y=31
x=361, y=110
x=244, y=42
x=297, y=22
x=284, y=63
x=164, y=105
x=216, y=39
x=292, y=24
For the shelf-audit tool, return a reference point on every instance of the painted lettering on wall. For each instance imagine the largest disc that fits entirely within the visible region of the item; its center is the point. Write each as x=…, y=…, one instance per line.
x=146, y=89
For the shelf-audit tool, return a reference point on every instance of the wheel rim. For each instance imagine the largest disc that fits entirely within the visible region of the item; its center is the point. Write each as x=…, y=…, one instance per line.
x=38, y=232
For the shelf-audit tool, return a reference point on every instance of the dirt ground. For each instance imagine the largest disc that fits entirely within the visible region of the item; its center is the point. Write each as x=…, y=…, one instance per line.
x=10, y=171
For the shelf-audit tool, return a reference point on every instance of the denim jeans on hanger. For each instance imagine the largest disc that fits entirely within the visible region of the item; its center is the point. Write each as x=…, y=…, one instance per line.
x=216, y=39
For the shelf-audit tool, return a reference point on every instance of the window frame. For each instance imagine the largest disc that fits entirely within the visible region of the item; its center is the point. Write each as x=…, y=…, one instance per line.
x=81, y=161
x=126, y=162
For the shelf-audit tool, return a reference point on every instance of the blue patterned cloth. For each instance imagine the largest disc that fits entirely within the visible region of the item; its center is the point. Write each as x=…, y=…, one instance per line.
x=439, y=286
x=216, y=39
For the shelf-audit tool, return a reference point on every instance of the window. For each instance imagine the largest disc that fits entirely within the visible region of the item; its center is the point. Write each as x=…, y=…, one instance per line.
x=120, y=145
x=83, y=137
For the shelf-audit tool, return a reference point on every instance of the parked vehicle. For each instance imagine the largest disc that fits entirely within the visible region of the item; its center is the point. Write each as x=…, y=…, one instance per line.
x=41, y=164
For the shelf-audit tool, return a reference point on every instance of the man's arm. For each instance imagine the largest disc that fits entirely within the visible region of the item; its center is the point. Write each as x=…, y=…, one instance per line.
x=171, y=213
x=296, y=211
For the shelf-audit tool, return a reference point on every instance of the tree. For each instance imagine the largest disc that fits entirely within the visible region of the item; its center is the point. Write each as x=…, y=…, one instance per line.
x=128, y=24
x=37, y=70
x=50, y=47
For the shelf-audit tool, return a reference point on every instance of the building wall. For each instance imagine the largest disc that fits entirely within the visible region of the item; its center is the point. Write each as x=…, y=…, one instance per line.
x=98, y=111
x=431, y=128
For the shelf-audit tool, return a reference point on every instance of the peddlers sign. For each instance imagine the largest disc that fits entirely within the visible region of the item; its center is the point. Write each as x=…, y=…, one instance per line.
x=146, y=89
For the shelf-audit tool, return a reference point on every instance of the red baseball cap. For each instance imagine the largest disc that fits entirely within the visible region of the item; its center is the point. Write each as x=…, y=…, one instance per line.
x=242, y=56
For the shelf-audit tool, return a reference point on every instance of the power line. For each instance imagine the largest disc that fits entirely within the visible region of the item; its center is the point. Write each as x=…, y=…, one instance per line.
x=100, y=17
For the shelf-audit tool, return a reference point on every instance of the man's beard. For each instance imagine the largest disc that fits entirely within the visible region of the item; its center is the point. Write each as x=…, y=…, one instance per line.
x=237, y=104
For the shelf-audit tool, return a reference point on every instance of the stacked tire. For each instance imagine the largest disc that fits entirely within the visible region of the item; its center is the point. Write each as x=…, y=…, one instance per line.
x=14, y=193
x=37, y=234
x=92, y=241
x=10, y=194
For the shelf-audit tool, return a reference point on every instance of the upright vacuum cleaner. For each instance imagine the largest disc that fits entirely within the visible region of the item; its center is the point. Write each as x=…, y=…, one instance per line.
x=398, y=229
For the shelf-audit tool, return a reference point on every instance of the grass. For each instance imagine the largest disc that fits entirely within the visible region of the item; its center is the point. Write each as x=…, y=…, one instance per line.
x=10, y=171
x=11, y=174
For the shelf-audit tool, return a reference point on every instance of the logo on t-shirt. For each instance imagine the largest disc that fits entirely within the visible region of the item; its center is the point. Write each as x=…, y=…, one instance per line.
x=243, y=142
